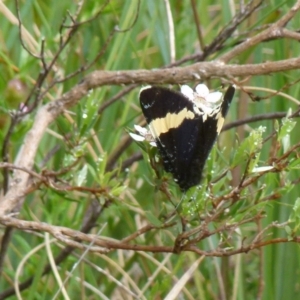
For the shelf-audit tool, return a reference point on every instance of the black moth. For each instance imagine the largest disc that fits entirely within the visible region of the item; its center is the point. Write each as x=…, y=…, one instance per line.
x=185, y=128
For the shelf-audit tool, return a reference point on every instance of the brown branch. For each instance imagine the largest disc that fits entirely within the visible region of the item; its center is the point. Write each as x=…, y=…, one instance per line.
x=270, y=116
x=91, y=216
x=198, y=71
x=49, y=178
x=197, y=24
x=50, y=111
x=95, y=16
x=78, y=239
x=226, y=32
x=116, y=97
x=291, y=34
x=275, y=30
x=243, y=249
x=124, y=144
x=261, y=266
x=72, y=237
x=129, y=161
x=47, y=113
x=20, y=32
x=13, y=167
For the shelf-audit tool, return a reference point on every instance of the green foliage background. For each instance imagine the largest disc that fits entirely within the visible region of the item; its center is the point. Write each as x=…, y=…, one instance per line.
x=84, y=135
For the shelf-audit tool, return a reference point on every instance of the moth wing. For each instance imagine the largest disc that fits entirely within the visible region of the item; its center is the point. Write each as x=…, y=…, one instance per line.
x=174, y=125
x=184, y=138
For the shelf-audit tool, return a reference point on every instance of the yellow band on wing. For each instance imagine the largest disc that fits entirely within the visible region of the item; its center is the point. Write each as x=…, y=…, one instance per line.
x=162, y=125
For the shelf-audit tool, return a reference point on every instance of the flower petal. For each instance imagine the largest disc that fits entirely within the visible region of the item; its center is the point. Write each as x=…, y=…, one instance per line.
x=137, y=137
x=187, y=92
x=140, y=129
x=214, y=97
x=202, y=90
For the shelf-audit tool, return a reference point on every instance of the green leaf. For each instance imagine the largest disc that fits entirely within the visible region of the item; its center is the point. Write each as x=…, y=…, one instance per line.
x=82, y=175
x=285, y=131
x=249, y=148
x=102, y=165
x=153, y=219
x=79, y=150
x=250, y=211
x=295, y=215
x=295, y=164
x=116, y=191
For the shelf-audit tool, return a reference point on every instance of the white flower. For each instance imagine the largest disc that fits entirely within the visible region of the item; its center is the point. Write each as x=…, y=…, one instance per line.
x=187, y=91
x=144, y=135
x=203, y=91
x=201, y=97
